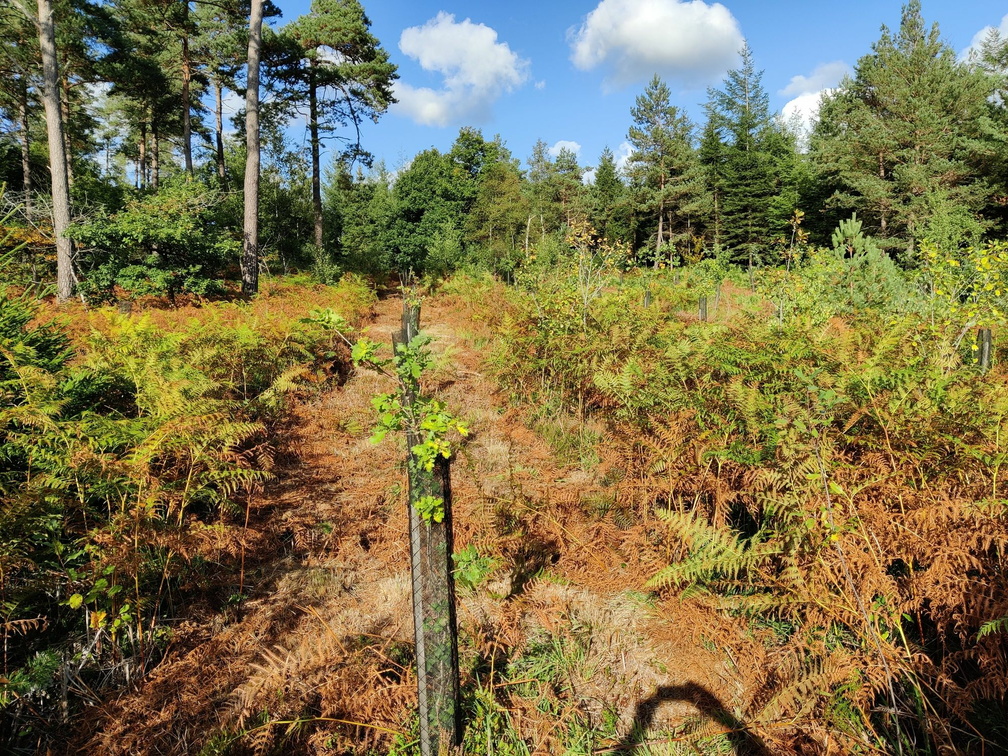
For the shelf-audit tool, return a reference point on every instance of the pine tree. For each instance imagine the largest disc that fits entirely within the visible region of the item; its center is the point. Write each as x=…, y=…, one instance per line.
x=497, y=217
x=537, y=188
x=343, y=75
x=895, y=139
x=567, y=185
x=58, y=160
x=664, y=167
x=606, y=199
x=250, y=227
x=19, y=59
x=746, y=152
x=713, y=154
x=991, y=157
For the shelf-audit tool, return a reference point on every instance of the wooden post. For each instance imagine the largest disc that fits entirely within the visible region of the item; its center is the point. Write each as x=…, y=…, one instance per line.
x=984, y=349
x=431, y=546
x=703, y=308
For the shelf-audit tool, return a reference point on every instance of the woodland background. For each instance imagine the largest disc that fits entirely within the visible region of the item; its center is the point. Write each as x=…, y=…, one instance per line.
x=765, y=354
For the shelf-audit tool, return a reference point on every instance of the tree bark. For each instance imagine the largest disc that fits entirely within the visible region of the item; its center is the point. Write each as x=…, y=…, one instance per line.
x=155, y=158
x=313, y=127
x=186, y=95
x=250, y=237
x=25, y=139
x=65, y=106
x=219, y=135
x=661, y=229
x=57, y=152
x=142, y=156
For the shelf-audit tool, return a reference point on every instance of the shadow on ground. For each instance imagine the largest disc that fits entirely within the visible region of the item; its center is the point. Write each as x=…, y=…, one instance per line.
x=743, y=741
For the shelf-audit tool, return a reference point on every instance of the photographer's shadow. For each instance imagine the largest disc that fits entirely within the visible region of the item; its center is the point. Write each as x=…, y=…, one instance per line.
x=743, y=742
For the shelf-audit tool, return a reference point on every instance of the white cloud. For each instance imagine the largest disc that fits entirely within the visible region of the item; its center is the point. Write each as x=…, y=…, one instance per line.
x=807, y=92
x=541, y=84
x=565, y=143
x=691, y=43
x=623, y=153
x=477, y=69
x=978, y=38
x=825, y=75
x=803, y=110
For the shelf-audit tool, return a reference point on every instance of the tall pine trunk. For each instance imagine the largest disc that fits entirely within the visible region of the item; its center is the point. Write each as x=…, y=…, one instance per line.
x=142, y=156
x=186, y=93
x=57, y=151
x=25, y=139
x=313, y=127
x=155, y=157
x=250, y=236
x=67, y=148
x=219, y=134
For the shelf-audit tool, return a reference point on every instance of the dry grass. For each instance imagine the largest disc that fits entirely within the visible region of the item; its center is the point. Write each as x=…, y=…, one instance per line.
x=323, y=640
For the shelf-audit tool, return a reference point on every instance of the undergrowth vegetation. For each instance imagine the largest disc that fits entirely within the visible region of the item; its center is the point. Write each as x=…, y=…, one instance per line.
x=823, y=455
x=131, y=450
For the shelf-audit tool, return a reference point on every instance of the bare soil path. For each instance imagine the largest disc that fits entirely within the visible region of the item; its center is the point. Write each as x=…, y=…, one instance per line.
x=322, y=640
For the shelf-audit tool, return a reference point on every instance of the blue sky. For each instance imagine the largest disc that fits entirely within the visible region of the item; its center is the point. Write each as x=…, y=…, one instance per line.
x=567, y=71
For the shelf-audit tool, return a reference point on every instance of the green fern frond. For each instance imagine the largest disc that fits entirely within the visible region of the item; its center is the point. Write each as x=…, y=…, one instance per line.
x=999, y=625
x=749, y=402
x=713, y=553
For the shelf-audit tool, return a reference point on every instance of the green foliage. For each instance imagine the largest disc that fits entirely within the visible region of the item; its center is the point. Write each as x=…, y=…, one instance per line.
x=855, y=279
x=967, y=288
x=665, y=170
x=993, y=626
x=607, y=205
x=894, y=141
x=123, y=471
x=428, y=197
x=425, y=419
x=471, y=569
x=750, y=161
x=827, y=470
x=163, y=243
x=325, y=268
x=349, y=88
x=445, y=253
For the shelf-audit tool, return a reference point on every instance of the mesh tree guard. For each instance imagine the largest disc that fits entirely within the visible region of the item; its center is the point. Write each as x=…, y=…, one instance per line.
x=431, y=547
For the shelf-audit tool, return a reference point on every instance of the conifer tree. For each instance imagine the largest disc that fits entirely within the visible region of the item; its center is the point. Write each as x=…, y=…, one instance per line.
x=343, y=75
x=991, y=157
x=250, y=228
x=664, y=167
x=606, y=199
x=45, y=26
x=497, y=216
x=713, y=153
x=745, y=152
x=566, y=185
x=537, y=187
x=19, y=59
x=895, y=139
